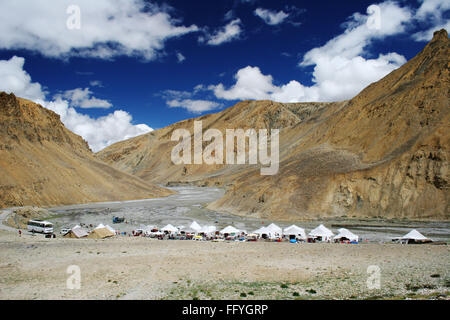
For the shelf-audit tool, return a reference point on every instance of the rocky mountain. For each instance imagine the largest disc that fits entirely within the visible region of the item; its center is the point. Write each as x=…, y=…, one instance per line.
x=42, y=163
x=383, y=153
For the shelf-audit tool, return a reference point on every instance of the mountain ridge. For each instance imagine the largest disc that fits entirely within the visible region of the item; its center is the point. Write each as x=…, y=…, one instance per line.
x=42, y=163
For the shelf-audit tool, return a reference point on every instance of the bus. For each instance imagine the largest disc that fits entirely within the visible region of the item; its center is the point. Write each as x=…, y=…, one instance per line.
x=40, y=226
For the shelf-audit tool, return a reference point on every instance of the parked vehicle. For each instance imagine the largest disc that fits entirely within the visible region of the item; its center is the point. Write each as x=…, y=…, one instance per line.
x=118, y=220
x=40, y=226
x=64, y=231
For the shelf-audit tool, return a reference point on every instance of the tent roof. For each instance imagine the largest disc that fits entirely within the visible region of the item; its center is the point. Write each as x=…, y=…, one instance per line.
x=274, y=228
x=415, y=235
x=294, y=230
x=76, y=232
x=229, y=229
x=169, y=228
x=101, y=233
x=110, y=229
x=344, y=233
x=261, y=230
x=101, y=225
x=321, y=231
x=194, y=225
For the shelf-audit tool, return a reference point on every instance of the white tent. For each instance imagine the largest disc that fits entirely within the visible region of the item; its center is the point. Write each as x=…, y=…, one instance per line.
x=272, y=231
x=322, y=232
x=100, y=226
x=414, y=236
x=229, y=230
x=344, y=233
x=170, y=229
x=194, y=225
x=294, y=230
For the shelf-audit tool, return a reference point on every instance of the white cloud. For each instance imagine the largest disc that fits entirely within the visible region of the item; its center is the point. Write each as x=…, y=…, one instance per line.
x=108, y=28
x=427, y=35
x=340, y=70
x=96, y=83
x=250, y=84
x=432, y=12
x=82, y=98
x=432, y=7
x=14, y=79
x=180, y=57
x=229, y=32
x=98, y=132
x=271, y=17
x=194, y=106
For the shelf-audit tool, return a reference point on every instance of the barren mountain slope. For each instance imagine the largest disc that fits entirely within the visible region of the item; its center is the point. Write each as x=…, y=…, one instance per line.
x=42, y=163
x=149, y=156
x=383, y=153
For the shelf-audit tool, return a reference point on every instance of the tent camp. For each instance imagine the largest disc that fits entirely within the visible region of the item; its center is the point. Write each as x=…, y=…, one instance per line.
x=321, y=233
x=100, y=233
x=194, y=225
x=295, y=232
x=169, y=229
x=413, y=236
x=76, y=232
x=229, y=230
x=345, y=234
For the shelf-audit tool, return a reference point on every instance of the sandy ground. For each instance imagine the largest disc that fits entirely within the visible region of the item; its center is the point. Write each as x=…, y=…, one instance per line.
x=32, y=267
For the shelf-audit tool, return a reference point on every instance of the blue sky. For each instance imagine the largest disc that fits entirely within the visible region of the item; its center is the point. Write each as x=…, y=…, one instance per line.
x=165, y=61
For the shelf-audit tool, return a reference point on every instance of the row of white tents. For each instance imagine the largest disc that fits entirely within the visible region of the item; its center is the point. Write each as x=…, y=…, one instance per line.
x=321, y=232
x=271, y=231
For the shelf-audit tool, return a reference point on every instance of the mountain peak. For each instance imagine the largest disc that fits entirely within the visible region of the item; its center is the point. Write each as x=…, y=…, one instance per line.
x=440, y=35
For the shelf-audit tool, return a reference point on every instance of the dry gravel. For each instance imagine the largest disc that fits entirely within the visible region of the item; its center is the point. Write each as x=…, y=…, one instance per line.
x=32, y=267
